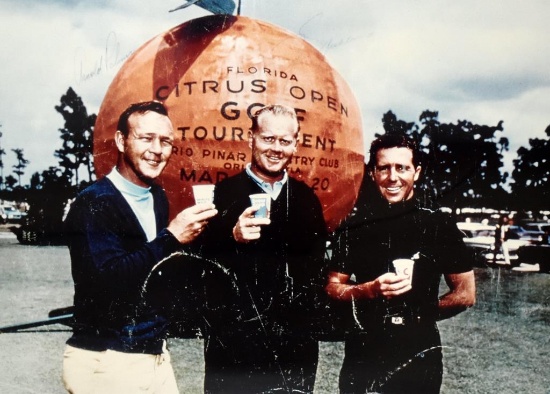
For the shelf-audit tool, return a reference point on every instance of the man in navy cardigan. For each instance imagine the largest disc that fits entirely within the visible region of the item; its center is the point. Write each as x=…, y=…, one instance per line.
x=117, y=231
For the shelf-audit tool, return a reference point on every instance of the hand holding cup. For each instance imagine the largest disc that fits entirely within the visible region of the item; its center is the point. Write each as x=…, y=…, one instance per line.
x=248, y=227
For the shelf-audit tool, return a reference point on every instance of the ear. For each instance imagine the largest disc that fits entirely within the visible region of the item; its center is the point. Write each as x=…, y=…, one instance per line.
x=370, y=172
x=120, y=141
x=417, y=173
x=250, y=139
x=297, y=139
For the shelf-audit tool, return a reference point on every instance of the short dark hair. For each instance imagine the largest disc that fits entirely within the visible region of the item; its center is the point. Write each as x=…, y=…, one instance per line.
x=275, y=109
x=140, y=108
x=387, y=141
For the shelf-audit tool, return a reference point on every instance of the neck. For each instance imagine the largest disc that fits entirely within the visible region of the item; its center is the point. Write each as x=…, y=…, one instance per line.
x=275, y=177
x=130, y=175
x=403, y=205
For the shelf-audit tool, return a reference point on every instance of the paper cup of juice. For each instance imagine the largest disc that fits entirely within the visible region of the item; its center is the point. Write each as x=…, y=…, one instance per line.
x=404, y=267
x=203, y=193
x=263, y=202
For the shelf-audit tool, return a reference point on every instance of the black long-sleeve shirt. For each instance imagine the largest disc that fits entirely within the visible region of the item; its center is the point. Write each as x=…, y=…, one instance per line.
x=366, y=245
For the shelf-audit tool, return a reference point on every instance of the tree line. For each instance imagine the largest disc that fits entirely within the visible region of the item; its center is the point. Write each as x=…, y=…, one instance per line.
x=49, y=191
x=463, y=164
x=462, y=167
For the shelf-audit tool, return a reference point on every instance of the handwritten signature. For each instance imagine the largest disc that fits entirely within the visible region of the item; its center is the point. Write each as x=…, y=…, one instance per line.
x=111, y=58
x=331, y=43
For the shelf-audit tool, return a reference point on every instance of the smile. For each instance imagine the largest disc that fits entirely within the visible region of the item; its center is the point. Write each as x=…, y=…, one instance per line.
x=274, y=159
x=153, y=162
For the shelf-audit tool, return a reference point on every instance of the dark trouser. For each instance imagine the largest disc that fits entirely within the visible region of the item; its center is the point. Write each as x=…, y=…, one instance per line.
x=249, y=362
x=393, y=359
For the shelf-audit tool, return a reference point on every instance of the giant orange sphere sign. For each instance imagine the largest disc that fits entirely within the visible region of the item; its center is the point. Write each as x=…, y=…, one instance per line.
x=212, y=73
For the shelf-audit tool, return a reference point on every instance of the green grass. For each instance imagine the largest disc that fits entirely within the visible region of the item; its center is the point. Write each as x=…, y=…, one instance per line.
x=502, y=344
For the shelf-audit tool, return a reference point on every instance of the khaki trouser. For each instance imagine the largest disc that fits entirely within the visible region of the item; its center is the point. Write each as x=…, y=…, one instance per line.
x=91, y=372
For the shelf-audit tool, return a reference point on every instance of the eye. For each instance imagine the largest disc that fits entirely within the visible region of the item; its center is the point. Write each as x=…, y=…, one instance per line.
x=401, y=168
x=285, y=142
x=166, y=142
x=268, y=140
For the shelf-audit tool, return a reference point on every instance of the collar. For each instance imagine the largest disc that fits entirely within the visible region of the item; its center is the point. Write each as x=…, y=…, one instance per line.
x=125, y=186
x=273, y=190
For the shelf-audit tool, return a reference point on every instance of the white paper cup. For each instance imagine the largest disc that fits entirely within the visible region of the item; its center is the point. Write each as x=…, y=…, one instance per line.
x=263, y=202
x=404, y=267
x=203, y=193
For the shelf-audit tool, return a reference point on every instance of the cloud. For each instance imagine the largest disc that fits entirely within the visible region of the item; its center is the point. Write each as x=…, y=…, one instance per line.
x=482, y=61
x=53, y=45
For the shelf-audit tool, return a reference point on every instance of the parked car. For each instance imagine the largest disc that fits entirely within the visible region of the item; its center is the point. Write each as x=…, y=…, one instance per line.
x=472, y=228
x=481, y=237
x=533, y=236
x=10, y=214
x=544, y=227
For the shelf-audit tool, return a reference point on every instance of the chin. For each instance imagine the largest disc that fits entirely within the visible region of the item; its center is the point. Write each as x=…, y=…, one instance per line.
x=274, y=172
x=150, y=176
x=268, y=167
x=269, y=175
x=393, y=199
x=270, y=170
x=153, y=172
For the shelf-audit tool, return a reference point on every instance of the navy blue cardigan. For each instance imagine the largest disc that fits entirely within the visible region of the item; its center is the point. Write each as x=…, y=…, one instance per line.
x=111, y=259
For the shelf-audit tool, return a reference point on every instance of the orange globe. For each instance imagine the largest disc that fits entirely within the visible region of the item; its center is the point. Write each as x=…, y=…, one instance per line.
x=212, y=73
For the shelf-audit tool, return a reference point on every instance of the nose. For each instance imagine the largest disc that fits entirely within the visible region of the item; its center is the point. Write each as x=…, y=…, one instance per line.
x=277, y=147
x=392, y=176
x=155, y=146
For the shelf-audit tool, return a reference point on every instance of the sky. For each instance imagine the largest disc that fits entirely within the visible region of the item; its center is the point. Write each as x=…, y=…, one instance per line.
x=477, y=60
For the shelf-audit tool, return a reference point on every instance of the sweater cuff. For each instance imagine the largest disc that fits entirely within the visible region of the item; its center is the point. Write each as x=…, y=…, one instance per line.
x=168, y=241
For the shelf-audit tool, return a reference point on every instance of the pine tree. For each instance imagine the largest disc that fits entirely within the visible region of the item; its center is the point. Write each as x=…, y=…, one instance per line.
x=77, y=136
x=19, y=168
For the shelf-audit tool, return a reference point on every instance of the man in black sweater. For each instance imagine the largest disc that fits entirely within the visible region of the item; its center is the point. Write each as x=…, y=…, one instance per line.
x=396, y=346
x=261, y=297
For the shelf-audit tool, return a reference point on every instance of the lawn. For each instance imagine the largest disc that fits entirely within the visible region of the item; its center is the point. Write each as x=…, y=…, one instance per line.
x=499, y=346
x=502, y=345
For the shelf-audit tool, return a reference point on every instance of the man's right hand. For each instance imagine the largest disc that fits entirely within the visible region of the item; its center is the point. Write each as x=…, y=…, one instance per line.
x=190, y=222
x=387, y=285
x=391, y=285
x=248, y=227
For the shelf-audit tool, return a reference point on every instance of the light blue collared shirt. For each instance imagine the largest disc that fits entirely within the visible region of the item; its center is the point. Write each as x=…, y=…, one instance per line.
x=274, y=190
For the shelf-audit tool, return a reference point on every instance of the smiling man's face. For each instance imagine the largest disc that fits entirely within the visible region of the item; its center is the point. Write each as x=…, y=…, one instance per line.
x=273, y=145
x=395, y=174
x=147, y=148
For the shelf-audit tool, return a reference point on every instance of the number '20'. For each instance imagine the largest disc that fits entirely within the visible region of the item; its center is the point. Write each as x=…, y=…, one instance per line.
x=319, y=183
